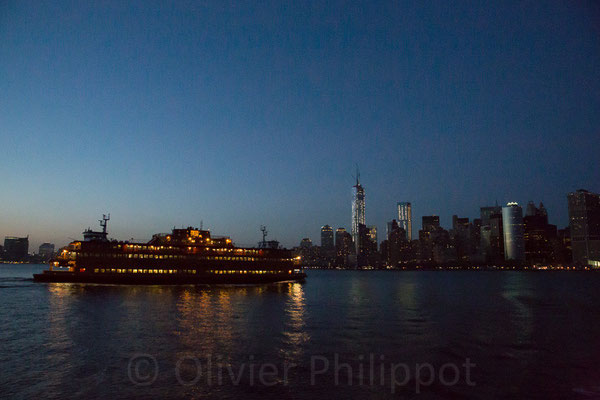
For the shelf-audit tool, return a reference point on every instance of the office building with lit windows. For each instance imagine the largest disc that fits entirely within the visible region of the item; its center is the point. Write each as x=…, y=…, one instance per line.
x=405, y=218
x=327, y=237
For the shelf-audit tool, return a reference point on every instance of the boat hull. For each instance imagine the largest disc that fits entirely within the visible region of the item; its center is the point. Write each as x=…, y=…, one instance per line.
x=161, y=279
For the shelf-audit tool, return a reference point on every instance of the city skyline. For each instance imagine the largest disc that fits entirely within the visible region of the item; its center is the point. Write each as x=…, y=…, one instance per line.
x=502, y=237
x=445, y=221
x=245, y=115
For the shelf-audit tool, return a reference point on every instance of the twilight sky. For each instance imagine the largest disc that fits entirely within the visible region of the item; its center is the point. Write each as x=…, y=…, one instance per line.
x=238, y=114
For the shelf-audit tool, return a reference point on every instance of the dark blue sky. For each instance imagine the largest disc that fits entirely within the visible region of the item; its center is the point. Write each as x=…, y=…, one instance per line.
x=240, y=114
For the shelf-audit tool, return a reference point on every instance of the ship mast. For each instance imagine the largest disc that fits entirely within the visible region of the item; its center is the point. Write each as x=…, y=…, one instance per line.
x=263, y=229
x=104, y=221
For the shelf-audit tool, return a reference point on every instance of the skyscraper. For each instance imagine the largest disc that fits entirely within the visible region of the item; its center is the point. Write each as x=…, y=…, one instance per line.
x=358, y=210
x=512, y=224
x=46, y=250
x=308, y=253
x=433, y=241
x=540, y=237
x=491, y=235
x=340, y=237
x=405, y=218
x=327, y=237
x=462, y=238
x=430, y=222
x=584, y=224
x=367, y=246
x=16, y=248
x=327, y=243
x=496, y=253
x=397, y=246
x=531, y=209
x=343, y=247
x=487, y=212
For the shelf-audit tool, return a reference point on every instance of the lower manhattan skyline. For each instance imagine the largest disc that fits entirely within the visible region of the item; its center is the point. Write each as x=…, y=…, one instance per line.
x=291, y=237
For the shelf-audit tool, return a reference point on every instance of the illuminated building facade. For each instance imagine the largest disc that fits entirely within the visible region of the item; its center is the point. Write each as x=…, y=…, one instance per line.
x=358, y=211
x=512, y=224
x=405, y=218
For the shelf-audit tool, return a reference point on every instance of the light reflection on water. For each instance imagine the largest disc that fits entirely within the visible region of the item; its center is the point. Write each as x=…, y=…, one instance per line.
x=59, y=343
x=530, y=334
x=295, y=335
x=516, y=289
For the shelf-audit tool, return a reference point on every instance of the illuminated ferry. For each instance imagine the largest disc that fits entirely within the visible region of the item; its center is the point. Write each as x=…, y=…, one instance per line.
x=184, y=256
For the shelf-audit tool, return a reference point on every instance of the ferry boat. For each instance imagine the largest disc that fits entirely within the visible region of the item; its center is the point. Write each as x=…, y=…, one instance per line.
x=184, y=256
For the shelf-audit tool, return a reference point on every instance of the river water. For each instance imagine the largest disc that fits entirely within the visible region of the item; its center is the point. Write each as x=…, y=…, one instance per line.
x=341, y=334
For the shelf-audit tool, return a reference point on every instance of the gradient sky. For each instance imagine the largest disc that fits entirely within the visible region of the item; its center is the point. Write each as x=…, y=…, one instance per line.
x=240, y=113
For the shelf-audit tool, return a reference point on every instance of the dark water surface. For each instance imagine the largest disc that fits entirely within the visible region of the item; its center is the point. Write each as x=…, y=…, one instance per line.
x=530, y=335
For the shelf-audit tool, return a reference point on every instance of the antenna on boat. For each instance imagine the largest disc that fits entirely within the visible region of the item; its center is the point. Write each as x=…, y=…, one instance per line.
x=264, y=231
x=104, y=221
